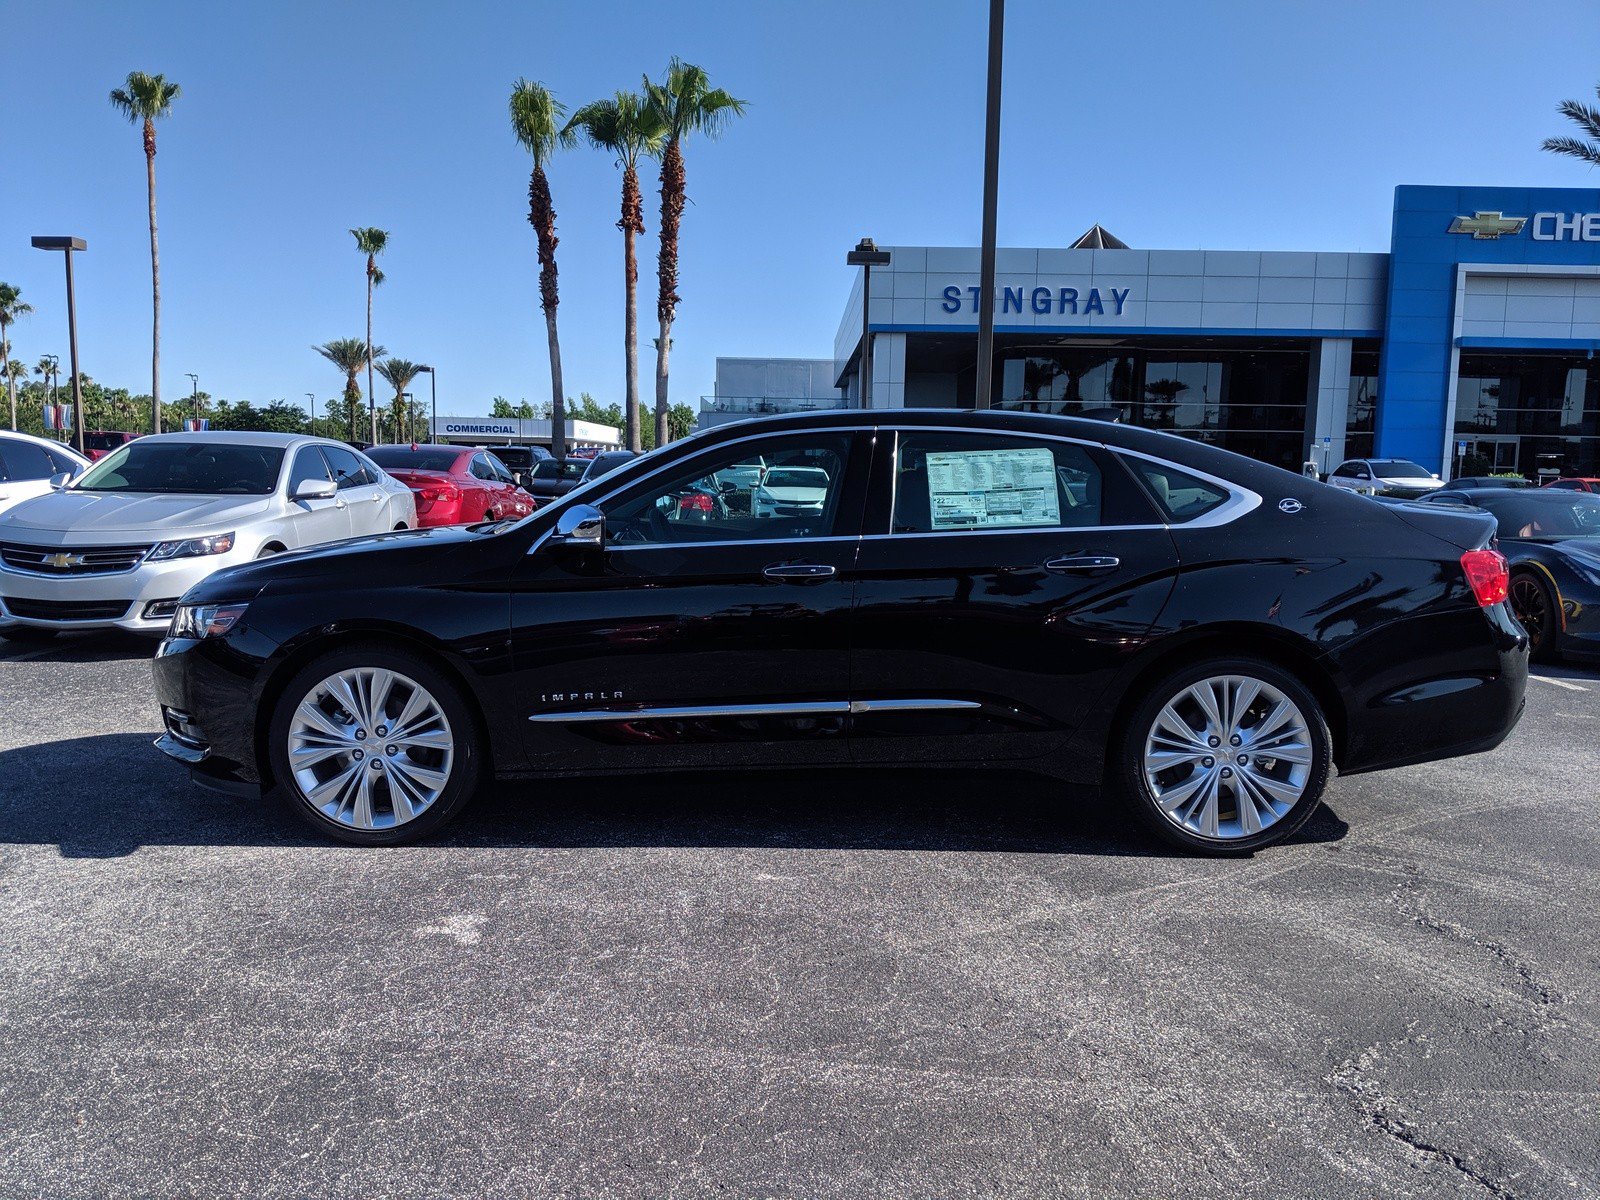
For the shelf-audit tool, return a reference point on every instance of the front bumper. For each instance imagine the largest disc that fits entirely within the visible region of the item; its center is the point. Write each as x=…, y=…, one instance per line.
x=207, y=695
x=139, y=600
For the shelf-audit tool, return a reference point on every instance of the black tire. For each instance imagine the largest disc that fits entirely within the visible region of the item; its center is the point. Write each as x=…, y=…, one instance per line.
x=1534, y=606
x=1126, y=768
x=27, y=634
x=269, y=550
x=466, y=768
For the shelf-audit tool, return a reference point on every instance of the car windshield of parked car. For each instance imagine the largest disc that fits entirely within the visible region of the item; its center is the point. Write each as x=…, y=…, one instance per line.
x=796, y=477
x=198, y=468
x=103, y=441
x=1536, y=516
x=1398, y=468
x=560, y=469
x=413, y=458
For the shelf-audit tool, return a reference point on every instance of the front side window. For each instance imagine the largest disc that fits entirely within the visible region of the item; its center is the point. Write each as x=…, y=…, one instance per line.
x=20, y=461
x=308, y=465
x=348, y=470
x=963, y=483
x=721, y=499
x=201, y=468
x=1347, y=470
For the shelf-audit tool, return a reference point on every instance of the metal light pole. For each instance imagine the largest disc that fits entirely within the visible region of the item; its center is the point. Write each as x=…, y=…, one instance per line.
x=194, y=395
x=67, y=245
x=433, y=390
x=866, y=255
x=405, y=410
x=991, y=189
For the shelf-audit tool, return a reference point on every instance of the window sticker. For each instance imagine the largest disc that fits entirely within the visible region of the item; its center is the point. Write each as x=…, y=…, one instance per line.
x=977, y=489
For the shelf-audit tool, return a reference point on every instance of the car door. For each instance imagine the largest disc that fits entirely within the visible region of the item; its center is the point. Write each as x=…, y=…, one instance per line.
x=1002, y=581
x=512, y=500
x=695, y=635
x=314, y=521
x=25, y=471
x=360, y=490
x=486, y=499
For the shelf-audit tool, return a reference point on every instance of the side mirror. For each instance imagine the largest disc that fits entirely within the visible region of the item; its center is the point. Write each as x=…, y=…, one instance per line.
x=580, y=525
x=315, y=489
x=60, y=481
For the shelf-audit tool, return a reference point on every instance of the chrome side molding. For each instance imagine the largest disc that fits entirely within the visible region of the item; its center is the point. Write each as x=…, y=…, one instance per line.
x=805, y=708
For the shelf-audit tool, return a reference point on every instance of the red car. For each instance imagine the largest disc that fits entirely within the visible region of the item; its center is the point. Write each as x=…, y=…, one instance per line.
x=454, y=485
x=97, y=443
x=1575, y=484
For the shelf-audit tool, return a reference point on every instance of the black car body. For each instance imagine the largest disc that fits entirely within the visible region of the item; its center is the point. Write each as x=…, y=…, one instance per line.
x=520, y=460
x=1551, y=540
x=555, y=477
x=979, y=588
x=1469, y=483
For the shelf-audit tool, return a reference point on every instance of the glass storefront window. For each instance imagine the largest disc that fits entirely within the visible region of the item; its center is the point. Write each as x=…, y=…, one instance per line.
x=1361, y=411
x=1531, y=409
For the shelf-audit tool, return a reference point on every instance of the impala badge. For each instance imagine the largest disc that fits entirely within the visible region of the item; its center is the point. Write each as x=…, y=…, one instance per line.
x=575, y=697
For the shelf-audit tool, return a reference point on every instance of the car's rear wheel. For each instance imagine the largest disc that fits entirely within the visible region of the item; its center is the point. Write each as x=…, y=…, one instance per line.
x=375, y=746
x=1224, y=757
x=1536, y=610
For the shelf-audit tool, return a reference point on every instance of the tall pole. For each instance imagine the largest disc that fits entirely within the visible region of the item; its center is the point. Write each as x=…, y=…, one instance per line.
x=866, y=336
x=433, y=395
x=194, y=396
x=991, y=190
x=72, y=349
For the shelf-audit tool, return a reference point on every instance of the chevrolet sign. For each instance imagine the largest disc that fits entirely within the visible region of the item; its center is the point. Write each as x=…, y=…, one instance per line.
x=63, y=561
x=1487, y=226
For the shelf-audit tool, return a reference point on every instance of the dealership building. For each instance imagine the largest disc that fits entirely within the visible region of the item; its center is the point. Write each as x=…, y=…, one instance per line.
x=1478, y=327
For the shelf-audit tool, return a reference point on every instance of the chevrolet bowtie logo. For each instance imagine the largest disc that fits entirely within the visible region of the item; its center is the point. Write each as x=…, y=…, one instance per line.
x=62, y=562
x=1486, y=226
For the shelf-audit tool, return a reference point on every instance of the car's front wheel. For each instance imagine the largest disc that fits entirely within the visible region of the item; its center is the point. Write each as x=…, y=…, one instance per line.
x=375, y=746
x=1224, y=757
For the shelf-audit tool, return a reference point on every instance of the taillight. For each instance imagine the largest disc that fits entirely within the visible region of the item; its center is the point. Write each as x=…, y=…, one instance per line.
x=695, y=502
x=445, y=491
x=1487, y=575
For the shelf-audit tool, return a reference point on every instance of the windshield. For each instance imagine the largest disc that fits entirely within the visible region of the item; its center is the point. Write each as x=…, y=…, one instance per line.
x=571, y=468
x=423, y=458
x=1544, y=516
x=202, y=468
x=103, y=441
x=1398, y=469
x=812, y=477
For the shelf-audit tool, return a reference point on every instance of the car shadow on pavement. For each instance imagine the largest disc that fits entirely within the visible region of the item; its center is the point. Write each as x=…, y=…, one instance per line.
x=111, y=795
x=99, y=646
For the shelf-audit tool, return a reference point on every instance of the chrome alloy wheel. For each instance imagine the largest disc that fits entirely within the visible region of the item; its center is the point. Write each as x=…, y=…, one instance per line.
x=1228, y=757
x=370, y=748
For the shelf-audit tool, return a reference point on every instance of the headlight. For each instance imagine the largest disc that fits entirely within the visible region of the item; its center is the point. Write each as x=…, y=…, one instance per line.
x=217, y=543
x=204, y=620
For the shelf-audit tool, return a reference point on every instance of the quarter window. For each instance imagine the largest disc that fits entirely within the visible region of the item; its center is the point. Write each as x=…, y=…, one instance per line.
x=964, y=483
x=1179, y=495
x=779, y=491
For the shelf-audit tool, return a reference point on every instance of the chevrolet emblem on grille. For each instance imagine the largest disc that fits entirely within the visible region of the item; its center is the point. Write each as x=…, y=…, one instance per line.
x=63, y=561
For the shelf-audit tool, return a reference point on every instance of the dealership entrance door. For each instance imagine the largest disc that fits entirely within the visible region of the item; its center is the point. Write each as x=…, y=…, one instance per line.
x=1499, y=453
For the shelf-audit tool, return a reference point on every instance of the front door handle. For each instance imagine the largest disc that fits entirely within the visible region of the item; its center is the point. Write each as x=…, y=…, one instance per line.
x=799, y=571
x=1082, y=563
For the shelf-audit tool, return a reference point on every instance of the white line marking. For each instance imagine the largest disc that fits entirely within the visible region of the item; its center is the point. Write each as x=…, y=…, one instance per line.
x=1560, y=683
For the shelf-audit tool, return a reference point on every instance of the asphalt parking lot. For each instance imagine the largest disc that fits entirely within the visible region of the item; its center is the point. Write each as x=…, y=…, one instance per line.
x=789, y=985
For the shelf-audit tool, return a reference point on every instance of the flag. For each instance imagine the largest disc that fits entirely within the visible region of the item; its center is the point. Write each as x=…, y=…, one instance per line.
x=49, y=416
x=198, y=424
x=64, y=416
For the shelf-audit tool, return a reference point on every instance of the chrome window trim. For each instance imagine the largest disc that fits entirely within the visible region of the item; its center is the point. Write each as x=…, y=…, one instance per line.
x=1243, y=499
x=805, y=708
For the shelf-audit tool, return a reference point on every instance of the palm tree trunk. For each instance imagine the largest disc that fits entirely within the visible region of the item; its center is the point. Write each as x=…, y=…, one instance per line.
x=542, y=215
x=372, y=397
x=155, y=279
x=632, y=224
x=673, y=187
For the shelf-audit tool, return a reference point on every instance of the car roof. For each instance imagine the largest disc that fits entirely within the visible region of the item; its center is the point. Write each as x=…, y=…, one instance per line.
x=243, y=438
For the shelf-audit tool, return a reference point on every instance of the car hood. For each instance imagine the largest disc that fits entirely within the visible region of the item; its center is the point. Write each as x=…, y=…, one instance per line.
x=1585, y=549
x=1414, y=481
x=74, y=514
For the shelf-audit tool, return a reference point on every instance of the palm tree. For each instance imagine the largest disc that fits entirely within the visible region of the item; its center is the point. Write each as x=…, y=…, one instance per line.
x=144, y=100
x=631, y=129
x=685, y=103
x=14, y=369
x=399, y=373
x=11, y=307
x=349, y=355
x=371, y=242
x=536, y=122
x=1586, y=119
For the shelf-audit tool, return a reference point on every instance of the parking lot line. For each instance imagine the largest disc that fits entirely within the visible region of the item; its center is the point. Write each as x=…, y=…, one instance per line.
x=1560, y=683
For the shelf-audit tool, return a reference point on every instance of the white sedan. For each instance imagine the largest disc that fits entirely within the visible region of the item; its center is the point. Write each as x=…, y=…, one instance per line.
x=28, y=464
x=791, y=492
x=117, y=547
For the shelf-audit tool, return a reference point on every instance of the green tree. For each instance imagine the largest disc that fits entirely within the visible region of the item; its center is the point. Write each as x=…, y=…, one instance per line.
x=145, y=99
x=371, y=242
x=399, y=373
x=14, y=370
x=11, y=307
x=1587, y=119
x=684, y=102
x=349, y=355
x=630, y=129
x=536, y=121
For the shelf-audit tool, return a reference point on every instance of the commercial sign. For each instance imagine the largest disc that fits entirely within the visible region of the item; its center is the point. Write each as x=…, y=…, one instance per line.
x=1544, y=226
x=1040, y=300
x=469, y=428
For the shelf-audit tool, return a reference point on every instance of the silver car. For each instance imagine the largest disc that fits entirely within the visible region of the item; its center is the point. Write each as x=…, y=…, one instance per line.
x=118, y=546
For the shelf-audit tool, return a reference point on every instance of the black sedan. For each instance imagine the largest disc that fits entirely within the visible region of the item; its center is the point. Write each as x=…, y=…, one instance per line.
x=1551, y=539
x=1206, y=635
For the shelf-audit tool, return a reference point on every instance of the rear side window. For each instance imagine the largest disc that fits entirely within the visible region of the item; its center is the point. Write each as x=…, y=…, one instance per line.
x=967, y=483
x=1179, y=495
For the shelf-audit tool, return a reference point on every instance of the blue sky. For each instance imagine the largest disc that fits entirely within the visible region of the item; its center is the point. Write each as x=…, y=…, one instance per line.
x=1250, y=125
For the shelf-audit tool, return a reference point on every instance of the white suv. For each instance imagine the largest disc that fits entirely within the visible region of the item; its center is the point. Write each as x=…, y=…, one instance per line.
x=120, y=545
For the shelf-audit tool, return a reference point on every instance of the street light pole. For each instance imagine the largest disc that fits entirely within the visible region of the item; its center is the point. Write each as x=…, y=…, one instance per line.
x=991, y=190
x=433, y=390
x=194, y=395
x=405, y=409
x=866, y=255
x=67, y=245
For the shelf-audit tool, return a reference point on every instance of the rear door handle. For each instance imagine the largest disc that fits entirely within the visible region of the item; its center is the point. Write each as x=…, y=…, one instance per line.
x=1082, y=563
x=799, y=571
